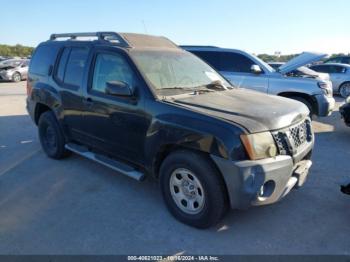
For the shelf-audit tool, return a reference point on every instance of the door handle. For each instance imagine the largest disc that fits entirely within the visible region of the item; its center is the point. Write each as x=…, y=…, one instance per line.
x=88, y=101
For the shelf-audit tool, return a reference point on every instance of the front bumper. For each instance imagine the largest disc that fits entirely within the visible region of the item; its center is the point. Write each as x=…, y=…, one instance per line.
x=325, y=104
x=345, y=113
x=262, y=182
x=5, y=76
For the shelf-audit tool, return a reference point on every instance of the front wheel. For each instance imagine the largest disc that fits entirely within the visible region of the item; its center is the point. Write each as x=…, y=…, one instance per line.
x=193, y=189
x=344, y=90
x=16, y=77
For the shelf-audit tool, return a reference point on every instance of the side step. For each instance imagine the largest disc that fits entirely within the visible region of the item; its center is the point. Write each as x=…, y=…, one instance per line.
x=106, y=161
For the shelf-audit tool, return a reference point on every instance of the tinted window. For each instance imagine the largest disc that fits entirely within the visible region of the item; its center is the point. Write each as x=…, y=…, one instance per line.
x=346, y=60
x=330, y=69
x=321, y=68
x=75, y=66
x=62, y=64
x=339, y=69
x=236, y=63
x=227, y=61
x=212, y=58
x=43, y=59
x=111, y=67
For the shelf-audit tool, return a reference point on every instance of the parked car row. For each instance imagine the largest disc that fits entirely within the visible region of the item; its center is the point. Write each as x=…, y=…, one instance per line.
x=14, y=69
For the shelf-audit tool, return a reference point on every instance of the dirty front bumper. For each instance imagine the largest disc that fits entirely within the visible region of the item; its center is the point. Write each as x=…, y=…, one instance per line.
x=325, y=105
x=262, y=182
x=345, y=113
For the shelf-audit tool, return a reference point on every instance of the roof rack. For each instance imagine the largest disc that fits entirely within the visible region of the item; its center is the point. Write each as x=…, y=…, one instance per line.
x=101, y=36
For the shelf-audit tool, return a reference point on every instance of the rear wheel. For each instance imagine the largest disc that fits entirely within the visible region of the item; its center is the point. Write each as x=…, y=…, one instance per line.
x=193, y=189
x=51, y=136
x=16, y=77
x=344, y=90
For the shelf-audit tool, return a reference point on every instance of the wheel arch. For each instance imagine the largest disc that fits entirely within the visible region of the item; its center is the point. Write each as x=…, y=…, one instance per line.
x=307, y=97
x=40, y=108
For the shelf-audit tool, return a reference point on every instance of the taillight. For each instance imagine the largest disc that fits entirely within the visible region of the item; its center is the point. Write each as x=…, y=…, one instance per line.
x=29, y=87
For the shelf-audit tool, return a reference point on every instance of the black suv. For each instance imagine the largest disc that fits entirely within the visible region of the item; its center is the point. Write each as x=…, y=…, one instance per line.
x=141, y=105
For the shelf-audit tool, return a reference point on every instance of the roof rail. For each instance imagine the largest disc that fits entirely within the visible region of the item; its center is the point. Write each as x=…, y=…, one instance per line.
x=101, y=36
x=198, y=46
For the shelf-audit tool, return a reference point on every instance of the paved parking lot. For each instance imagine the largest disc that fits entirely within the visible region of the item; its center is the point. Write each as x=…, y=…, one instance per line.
x=76, y=206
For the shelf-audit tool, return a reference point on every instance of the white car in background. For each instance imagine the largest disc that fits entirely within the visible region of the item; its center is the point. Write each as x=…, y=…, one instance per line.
x=339, y=75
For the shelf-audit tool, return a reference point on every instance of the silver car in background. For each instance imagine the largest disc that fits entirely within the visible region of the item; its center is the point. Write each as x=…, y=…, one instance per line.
x=14, y=69
x=248, y=71
x=339, y=75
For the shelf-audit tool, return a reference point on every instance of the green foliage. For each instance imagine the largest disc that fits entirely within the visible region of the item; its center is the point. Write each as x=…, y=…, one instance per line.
x=273, y=58
x=16, y=50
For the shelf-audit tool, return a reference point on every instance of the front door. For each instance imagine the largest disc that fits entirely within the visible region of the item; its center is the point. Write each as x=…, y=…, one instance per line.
x=237, y=69
x=115, y=124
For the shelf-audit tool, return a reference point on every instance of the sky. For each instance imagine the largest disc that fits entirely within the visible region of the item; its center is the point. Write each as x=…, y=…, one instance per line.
x=257, y=26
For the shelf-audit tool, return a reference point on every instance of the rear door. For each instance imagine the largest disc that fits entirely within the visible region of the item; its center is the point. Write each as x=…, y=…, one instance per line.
x=68, y=76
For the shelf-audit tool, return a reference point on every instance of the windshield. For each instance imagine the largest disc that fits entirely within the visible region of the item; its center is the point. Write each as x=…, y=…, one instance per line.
x=172, y=73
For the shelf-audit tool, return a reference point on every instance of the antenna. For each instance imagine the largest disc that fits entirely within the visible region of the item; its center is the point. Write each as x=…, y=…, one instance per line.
x=144, y=26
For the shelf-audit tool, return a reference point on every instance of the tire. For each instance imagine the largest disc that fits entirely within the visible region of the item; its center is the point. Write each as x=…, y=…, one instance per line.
x=344, y=90
x=51, y=136
x=305, y=102
x=16, y=77
x=209, y=189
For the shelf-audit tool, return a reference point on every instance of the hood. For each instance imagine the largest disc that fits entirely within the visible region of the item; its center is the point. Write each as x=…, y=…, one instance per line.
x=301, y=60
x=7, y=67
x=255, y=111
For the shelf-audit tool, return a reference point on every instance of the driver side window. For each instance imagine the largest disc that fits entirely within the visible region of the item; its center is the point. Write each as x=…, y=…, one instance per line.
x=111, y=67
x=233, y=62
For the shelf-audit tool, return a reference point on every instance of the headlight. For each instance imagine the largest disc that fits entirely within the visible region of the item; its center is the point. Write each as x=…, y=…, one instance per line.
x=260, y=145
x=325, y=87
x=348, y=100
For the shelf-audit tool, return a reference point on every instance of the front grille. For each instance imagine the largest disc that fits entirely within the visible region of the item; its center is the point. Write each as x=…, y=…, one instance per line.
x=291, y=139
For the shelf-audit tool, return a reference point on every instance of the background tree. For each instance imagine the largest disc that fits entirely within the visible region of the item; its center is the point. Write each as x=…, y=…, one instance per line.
x=17, y=50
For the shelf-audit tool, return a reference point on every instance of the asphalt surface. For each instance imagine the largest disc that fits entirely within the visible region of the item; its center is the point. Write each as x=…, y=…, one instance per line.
x=76, y=206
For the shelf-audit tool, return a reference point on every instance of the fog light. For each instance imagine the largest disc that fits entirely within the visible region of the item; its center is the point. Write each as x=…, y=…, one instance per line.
x=266, y=190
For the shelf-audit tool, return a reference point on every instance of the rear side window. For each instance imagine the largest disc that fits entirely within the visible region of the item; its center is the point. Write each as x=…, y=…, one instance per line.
x=42, y=60
x=339, y=69
x=212, y=58
x=346, y=60
x=62, y=64
x=72, y=65
x=322, y=69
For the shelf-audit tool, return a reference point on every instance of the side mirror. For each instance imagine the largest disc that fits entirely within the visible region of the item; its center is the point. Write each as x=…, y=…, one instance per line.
x=118, y=88
x=256, y=69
